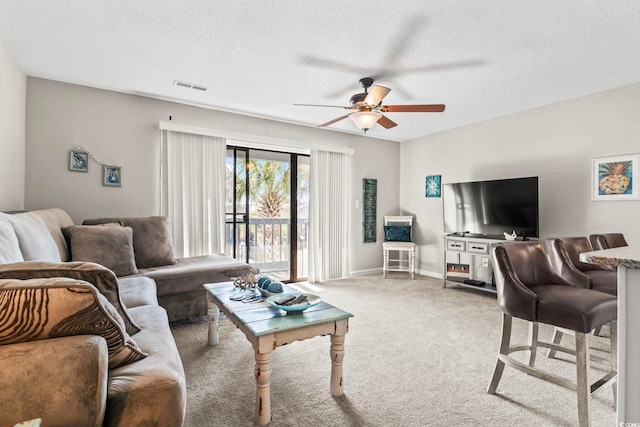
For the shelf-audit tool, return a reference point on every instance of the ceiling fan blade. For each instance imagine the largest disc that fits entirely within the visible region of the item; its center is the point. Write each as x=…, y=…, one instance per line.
x=376, y=94
x=333, y=121
x=418, y=108
x=386, y=122
x=322, y=105
x=330, y=64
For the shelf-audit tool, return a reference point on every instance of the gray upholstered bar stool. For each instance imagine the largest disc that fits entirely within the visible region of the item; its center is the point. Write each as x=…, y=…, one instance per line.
x=607, y=241
x=529, y=289
x=564, y=256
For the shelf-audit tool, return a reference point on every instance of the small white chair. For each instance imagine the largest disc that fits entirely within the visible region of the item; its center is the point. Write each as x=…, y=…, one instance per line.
x=397, y=237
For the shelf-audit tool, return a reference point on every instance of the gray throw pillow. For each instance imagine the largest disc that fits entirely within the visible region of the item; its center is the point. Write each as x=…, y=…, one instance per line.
x=152, y=240
x=110, y=246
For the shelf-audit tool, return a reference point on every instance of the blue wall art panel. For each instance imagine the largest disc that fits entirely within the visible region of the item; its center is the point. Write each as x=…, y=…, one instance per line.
x=369, y=209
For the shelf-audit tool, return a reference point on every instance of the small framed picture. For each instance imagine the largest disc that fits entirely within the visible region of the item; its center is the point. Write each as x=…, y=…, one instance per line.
x=432, y=186
x=111, y=176
x=615, y=178
x=78, y=161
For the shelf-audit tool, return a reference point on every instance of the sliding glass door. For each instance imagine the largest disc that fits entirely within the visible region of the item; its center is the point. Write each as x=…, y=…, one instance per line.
x=267, y=193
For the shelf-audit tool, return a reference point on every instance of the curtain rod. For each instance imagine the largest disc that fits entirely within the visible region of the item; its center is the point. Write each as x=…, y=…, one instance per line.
x=255, y=141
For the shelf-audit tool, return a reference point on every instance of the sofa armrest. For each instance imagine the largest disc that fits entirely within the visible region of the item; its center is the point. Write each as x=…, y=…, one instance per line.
x=58, y=379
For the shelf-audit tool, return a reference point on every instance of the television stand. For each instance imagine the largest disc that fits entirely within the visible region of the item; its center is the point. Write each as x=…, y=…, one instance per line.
x=466, y=262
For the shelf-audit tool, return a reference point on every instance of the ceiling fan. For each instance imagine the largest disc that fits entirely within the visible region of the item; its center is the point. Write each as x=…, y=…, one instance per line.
x=368, y=106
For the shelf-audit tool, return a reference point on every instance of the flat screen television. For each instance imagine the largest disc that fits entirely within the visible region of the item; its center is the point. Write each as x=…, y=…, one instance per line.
x=491, y=208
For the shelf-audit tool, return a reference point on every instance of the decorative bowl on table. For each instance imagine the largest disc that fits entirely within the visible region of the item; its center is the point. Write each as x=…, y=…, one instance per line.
x=271, y=288
x=294, y=303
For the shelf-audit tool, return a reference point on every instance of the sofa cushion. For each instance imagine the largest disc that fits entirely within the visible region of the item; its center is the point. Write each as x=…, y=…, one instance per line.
x=189, y=274
x=36, y=243
x=152, y=241
x=110, y=245
x=136, y=291
x=151, y=392
x=38, y=309
x=9, y=246
x=99, y=276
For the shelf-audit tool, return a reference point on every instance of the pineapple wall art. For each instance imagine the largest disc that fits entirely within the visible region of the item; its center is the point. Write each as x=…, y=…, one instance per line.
x=616, y=178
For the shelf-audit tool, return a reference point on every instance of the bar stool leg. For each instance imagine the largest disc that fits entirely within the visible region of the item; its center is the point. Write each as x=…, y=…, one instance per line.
x=505, y=340
x=533, y=342
x=583, y=382
x=557, y=337
x=613, y=325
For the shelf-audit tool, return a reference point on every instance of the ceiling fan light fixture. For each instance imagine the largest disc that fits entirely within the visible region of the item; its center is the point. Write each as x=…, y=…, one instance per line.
x=365, y=120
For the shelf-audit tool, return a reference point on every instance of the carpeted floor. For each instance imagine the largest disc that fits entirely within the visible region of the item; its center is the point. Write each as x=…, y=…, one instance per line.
x=416, y=354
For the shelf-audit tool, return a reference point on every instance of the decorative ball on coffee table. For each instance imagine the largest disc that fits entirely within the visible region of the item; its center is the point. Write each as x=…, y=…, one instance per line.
x=263, y=282
x=271, y=288
x=275, y=288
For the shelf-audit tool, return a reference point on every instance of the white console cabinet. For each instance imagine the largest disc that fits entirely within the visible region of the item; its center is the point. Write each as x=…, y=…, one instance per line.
x=467, y=259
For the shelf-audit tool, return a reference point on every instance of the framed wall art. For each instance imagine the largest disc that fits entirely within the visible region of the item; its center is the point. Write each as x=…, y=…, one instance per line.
x=433, y=186
x=615, y=178
x=111, y=176
x=78, y=161
x=369, y=209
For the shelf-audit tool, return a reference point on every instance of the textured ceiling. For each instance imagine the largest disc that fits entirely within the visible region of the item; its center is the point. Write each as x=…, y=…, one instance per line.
x=482, y=59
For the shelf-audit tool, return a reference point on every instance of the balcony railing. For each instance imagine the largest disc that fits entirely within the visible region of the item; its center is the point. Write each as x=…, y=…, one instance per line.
x=268, y=245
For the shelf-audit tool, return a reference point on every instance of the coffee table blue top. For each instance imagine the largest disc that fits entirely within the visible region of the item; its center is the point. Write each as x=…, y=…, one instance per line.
x=261, y=318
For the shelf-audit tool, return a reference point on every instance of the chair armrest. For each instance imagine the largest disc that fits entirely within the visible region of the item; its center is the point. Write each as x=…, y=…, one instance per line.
x=58, y=379
x=514, y=297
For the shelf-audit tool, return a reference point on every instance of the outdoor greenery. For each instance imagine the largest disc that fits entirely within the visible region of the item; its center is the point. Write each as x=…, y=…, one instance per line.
x=269, y=189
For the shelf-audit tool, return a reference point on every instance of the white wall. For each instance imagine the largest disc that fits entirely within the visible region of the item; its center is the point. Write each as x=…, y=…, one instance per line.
x=13, y=84
x=120, y=128
x=555, y=142
x=374, y=161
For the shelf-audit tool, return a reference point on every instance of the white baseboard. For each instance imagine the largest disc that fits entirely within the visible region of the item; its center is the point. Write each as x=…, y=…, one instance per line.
x=368, y=272
x=372, y=271
x=430, y=274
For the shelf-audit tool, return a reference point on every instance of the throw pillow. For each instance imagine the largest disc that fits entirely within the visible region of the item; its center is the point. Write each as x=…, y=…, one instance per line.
x=99, y=276
x=36, y=242
x=397, y=233
x=111, y=246
x=152, y=240
x=55, y=219
x=38, y=309
x=9, y=246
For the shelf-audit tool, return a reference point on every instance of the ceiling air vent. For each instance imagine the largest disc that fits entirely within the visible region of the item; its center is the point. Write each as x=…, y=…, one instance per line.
x=190, y=85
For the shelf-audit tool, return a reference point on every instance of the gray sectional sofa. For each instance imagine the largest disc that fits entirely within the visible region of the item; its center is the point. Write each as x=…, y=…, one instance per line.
x=179, y=280
x=84, y=319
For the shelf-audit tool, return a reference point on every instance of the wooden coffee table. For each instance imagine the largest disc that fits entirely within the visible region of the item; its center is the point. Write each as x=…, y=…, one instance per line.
x=268, y=327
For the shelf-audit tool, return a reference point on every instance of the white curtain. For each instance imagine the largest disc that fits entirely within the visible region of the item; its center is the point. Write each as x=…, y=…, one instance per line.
x=194, y=192
x=329, y=185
